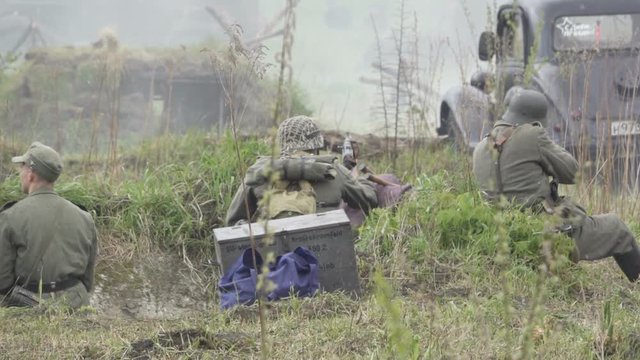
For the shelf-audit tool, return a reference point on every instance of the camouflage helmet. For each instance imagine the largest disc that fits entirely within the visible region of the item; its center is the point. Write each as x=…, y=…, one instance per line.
x=526, y=106
x=299, y=133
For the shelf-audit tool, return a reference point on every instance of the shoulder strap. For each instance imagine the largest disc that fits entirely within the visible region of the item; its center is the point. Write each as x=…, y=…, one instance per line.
x=503, y=137
x=498, y=144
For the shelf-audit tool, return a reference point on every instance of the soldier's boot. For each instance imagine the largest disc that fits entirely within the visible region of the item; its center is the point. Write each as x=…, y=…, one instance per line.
x=629, y=263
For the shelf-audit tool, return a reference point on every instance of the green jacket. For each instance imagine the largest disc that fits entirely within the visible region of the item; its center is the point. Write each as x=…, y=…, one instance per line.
x=331, y=181
x=529, y=159
x=26, y=228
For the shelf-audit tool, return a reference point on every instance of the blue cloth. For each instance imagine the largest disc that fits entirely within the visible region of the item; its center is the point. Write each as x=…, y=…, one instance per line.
x=293, y=273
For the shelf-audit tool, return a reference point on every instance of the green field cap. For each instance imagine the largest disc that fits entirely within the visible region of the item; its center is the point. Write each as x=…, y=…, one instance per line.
x=45, y=161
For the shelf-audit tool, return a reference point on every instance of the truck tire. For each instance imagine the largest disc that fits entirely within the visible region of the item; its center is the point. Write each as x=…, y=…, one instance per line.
x=454, y=134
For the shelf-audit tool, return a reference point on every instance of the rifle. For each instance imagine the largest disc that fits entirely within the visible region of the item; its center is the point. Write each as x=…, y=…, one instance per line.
x=350, y=152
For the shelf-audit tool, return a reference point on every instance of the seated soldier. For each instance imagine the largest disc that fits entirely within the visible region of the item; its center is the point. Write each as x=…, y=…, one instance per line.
x=517, y=159
x=299, y=166
x=48, y=245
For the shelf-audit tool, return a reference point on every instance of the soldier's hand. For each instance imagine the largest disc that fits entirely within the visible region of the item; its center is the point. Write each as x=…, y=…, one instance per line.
x=349, y=162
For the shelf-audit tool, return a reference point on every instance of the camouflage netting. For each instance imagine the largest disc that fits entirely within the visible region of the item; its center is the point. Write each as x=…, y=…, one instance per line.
x=299, y=133
x=85, y=98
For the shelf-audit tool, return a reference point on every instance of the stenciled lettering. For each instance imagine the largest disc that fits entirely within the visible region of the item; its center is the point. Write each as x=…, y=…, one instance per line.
x=332, y=234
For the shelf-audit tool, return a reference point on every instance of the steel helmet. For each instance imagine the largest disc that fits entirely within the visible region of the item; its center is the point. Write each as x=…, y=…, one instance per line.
x=299, y=133
x=510, y=94
x=526, y=106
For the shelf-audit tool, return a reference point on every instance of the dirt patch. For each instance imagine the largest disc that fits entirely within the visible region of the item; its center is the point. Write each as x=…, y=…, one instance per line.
x=194, y=339
x=323, y=305
x=158, y=287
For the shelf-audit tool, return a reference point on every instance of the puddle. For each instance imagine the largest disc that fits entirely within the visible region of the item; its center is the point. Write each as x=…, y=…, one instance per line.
x=161, y=286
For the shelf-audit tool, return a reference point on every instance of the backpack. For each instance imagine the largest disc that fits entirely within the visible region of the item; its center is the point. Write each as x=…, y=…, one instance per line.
x=289, y=198
x=293, y=273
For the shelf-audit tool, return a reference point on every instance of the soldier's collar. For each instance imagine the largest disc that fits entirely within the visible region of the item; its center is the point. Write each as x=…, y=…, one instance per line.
x=41, y=191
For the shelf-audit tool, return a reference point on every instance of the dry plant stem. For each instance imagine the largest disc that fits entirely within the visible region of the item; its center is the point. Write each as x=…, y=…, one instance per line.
x=270, y=27
x=285, y=60
x=412, y=113
x=263, y=329
x=526, y=345
x=93, y=146
x=397, y=114
x=502, y=260
x=229, y=91
x=115, y=110
x=56, y=79
x=382, y=86
x=169, y=99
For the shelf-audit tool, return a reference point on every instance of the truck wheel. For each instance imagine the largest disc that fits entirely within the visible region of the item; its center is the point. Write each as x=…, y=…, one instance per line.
x=453, y=132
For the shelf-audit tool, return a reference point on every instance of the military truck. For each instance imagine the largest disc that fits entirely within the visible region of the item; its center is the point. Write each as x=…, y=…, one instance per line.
x=583, y=55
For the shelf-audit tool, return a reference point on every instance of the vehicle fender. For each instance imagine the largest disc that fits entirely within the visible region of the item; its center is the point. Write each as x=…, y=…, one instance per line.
x=471, y=110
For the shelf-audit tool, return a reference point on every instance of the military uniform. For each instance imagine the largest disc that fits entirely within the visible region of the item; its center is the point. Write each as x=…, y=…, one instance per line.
x=47, y=243
x=517, y=159
x=330, y=180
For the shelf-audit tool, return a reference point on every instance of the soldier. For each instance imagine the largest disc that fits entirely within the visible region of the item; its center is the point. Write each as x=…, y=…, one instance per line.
x=517, y=159
x=299, y=140
x=48, y=245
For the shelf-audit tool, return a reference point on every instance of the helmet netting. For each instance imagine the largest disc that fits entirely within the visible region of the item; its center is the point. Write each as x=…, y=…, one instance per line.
x=299, y=133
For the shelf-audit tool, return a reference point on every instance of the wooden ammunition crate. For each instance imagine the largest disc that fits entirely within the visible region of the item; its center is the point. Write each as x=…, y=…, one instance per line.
x=328, y=235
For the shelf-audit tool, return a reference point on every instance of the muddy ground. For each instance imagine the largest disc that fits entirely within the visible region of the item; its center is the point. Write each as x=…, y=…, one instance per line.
x=157, y=287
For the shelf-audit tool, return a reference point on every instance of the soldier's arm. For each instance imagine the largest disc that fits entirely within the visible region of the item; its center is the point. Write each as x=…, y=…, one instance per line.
x=292, y=169
x=89, y=274
x=357, y=193
x=7, y=256
x=237, y=210
x=257, y=173
x=555, y=160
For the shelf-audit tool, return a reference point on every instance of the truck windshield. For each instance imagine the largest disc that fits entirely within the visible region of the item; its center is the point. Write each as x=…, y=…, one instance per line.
x=604, y=32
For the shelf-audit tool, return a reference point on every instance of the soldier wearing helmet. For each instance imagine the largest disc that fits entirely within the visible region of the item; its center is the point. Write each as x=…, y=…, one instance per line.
x=300, y=141
x=518, y=159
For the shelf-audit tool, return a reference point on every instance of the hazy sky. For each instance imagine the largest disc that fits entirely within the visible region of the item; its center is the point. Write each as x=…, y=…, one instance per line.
x=335, y=47
x=334, y=44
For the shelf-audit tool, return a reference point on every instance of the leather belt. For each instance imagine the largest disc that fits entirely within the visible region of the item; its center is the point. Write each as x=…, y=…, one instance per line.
x=52, y=286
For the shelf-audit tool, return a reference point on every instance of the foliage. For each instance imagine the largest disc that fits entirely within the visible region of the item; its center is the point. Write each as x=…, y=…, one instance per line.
x=174, y=192
x=455, y=221
x=403, y=344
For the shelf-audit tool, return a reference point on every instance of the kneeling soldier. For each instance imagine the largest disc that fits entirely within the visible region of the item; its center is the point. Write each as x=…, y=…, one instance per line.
x=327, y=181
x=517, y=159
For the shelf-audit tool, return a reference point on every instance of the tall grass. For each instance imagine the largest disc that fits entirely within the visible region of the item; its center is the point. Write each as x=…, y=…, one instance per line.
x=172, y=203
x=456, y=276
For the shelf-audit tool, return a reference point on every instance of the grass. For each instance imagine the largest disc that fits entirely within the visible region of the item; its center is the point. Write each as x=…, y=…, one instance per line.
x=444, y=275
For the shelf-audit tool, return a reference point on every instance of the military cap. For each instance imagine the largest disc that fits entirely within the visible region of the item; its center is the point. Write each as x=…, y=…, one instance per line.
x=45, y=161
x=526, y=106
